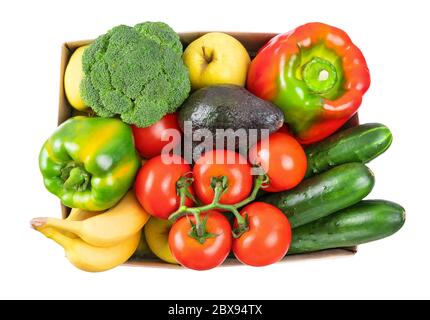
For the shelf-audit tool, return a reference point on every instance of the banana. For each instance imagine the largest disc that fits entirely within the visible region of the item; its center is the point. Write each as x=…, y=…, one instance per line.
x=90, y=258
x=79, y=215
x=103, y=230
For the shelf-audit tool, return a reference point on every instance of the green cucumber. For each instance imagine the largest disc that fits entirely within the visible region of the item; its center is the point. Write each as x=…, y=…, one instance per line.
x=324, y=194
x=358, y=144
x=368, y=220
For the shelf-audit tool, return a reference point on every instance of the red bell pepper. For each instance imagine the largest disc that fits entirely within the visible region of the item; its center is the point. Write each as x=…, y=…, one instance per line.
x=315, y=74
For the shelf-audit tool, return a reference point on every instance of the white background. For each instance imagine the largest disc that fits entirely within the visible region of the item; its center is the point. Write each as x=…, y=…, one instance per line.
x=394, y=37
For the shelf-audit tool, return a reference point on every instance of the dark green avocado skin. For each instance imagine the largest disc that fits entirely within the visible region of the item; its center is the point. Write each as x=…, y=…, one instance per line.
x=229, y=107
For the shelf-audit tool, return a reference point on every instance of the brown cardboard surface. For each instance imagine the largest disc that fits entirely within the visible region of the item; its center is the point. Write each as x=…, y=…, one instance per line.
x=341, y=252
x=253, y=42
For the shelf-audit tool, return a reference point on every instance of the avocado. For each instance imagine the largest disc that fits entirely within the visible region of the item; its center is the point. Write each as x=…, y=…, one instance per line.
x=229, y=107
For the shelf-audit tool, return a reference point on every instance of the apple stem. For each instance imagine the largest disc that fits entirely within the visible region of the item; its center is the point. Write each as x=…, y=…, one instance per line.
x=207, y=55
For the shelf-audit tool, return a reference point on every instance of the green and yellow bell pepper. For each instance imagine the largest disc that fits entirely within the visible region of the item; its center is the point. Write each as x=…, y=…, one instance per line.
x=89, y=163
x=315, y=74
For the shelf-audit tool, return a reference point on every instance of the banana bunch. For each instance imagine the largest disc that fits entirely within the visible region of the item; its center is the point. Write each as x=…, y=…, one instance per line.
x=95, y=241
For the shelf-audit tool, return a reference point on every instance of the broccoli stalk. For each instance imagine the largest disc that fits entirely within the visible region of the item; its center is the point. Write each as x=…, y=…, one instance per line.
x=136, y=73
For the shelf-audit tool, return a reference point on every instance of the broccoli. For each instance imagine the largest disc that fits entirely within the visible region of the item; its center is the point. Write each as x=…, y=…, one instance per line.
x=135, y=72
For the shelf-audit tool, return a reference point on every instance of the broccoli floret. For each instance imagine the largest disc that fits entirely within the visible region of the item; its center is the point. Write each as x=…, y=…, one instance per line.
x=160, y=33
x=135, y=72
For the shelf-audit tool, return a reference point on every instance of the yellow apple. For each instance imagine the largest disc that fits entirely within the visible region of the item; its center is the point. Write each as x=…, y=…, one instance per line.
x=216, y=58
x=143, y=251
x=157, y=236
x=72, y=79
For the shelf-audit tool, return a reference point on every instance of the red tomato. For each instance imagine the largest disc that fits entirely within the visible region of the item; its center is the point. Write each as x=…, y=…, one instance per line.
x=284, y=129
x=155, y=185
x=283, y=159
x=201, y=256
x=150, y=142
x=268, y=238
x=227, y=163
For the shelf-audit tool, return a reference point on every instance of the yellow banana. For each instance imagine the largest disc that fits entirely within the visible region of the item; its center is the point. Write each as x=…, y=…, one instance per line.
x=90, y=258
x=79, y=215
x=107, y=229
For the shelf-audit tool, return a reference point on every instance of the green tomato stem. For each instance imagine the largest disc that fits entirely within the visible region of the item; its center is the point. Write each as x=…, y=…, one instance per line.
x=220, y=185
x=199, y=227
x=182, y=197
x=260, y=181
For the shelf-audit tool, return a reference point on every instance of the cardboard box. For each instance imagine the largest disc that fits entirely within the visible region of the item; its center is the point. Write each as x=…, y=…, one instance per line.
x=253, y=42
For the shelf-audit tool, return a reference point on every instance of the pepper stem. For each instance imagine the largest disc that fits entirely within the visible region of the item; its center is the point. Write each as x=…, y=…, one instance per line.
x=319, y=75
x=75, y=177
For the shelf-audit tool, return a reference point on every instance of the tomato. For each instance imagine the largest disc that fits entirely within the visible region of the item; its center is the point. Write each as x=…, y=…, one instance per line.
x=283, y=159
x=284, y=129
x=192, y=254
x=217, y=163
x=155, y=185
x=268, y=238
x=150, y=142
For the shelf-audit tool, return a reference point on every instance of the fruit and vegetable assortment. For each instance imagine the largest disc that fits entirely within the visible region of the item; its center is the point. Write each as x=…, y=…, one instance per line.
x=198, y=155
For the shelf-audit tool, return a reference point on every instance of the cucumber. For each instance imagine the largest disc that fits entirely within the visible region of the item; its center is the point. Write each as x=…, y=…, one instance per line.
x=366, y=221
x=358, y=144
x=324, y=194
